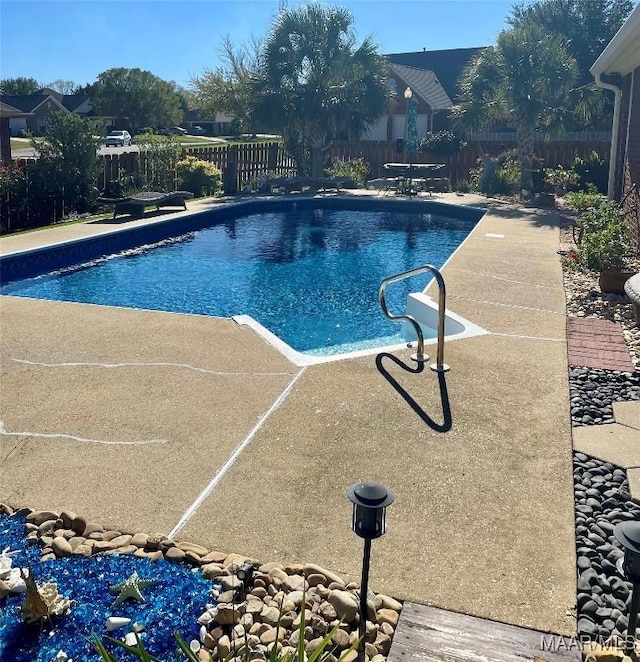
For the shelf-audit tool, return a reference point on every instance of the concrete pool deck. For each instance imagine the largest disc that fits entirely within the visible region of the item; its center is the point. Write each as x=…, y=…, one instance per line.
x=480, y=460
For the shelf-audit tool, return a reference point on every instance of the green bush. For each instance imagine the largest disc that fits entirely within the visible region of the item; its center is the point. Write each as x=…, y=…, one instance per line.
x=560, y=178
x=127, y=183
x=592, y=170
x=583, y=200
x=496, y=176
x=13, y=197
x=63, y=178
x=463, y=186
x=606, y=237
x=354, y=170
x=199, y=177
x=159, y=155
x=442, y=143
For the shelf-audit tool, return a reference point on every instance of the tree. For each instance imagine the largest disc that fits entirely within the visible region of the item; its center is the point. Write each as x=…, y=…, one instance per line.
x=524, y=81
x=66, y=169
x=136, y=98
x=230, y=88
x=64, y=86
x=315, y=84
x=21, y=86
x=585, y=27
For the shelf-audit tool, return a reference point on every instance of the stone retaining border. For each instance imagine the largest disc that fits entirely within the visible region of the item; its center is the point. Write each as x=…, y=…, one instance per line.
x=236, y=620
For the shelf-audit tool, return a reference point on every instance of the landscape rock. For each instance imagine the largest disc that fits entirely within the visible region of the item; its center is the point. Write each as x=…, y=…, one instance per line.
x=345, y=605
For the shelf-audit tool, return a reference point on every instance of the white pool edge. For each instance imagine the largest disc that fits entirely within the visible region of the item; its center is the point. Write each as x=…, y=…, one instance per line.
x=301, y=359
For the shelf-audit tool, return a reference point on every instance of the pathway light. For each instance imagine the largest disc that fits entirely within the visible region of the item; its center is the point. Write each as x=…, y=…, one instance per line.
x=370, y=501
x=628, y=535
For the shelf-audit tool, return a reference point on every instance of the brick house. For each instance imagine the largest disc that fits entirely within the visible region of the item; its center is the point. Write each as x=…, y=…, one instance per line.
x=32, y=111
x=7, y=111
x=618, y=69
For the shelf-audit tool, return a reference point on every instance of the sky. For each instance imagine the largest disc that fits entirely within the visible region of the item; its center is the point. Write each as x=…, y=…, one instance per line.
x=78, y=39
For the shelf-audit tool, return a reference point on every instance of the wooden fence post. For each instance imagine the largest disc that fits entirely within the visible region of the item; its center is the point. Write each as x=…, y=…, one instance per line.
x=230, y=172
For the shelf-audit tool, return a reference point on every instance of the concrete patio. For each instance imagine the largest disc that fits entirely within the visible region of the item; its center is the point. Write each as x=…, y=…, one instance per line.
x=155, y=406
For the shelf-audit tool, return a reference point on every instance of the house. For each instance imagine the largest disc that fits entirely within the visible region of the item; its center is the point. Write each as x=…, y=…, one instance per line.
x=219, y=125
x=433, y=79
x=618, y=69
x=31, y=111
x=6, y=113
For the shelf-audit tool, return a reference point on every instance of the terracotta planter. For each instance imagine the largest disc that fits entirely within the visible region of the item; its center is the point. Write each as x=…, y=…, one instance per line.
x=612, y=280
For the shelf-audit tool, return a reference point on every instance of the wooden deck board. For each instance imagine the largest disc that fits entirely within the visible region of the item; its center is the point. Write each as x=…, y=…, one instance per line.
x=427, y=634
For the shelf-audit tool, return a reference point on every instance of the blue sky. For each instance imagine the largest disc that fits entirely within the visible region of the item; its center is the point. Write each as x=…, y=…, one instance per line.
x=78, y=39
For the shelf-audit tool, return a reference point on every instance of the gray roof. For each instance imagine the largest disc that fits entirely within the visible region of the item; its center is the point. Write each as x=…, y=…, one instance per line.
x=447, y=64
x=26, y=104
x=425, y=84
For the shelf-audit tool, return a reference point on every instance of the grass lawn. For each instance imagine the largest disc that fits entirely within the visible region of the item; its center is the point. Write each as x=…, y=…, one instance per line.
x=20, y=143
x=199, y=140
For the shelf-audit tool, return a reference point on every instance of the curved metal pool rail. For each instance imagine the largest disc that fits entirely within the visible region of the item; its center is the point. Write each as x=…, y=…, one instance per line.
x=420, y=356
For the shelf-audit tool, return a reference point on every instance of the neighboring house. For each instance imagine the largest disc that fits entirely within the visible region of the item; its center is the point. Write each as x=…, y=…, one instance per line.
x=219, y=125
x=6, y=113
x=618, y=69
x=433, y=79
x=32, y=111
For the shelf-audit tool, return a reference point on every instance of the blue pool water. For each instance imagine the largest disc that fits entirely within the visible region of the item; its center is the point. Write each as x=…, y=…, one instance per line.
x=310, y=276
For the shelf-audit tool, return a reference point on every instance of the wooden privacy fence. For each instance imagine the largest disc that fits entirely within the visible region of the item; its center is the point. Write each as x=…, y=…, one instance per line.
x=376, y=154
x=240, y=164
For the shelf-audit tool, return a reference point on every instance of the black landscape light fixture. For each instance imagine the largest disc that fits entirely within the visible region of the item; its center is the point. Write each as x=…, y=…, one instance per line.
x=628, y=535
x=245, y=574
x=370, y=501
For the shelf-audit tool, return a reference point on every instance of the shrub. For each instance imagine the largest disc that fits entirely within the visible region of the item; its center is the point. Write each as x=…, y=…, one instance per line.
x=463, y=186
x=593, y=170
x=64, y=176
x=198, y=176
x=127, y=183
x=159, y=161
x=355, y=170
x=496, y=176
x=13, y=197
x=560, y=178
x=605, y=240
x=583, y=200
x=442, y=143
x=599, y=216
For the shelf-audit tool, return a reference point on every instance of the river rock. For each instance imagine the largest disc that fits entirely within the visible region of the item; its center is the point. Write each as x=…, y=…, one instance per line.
x=345, y=605
x=387, y=616
x=61, y=547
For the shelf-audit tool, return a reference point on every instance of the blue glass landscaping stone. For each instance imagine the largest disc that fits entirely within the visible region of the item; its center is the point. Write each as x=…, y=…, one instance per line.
x=173, y=603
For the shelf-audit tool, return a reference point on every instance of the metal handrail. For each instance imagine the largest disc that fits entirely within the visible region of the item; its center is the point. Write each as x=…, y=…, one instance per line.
x=439, y=365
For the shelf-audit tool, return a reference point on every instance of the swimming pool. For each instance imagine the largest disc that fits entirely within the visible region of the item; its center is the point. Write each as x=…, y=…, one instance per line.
x=309, y=272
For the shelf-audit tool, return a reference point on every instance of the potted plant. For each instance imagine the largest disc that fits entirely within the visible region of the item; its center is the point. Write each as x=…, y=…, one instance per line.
x=604, y=246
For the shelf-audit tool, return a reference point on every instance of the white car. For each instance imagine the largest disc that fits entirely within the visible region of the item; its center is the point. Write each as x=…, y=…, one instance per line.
x=122, y=138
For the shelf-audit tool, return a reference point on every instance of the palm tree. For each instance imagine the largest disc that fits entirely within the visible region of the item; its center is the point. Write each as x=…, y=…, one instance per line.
x=525, y=81
x=315, y=84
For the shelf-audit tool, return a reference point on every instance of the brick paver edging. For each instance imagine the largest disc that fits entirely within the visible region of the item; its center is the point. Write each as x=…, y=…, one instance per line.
x=597, y=343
